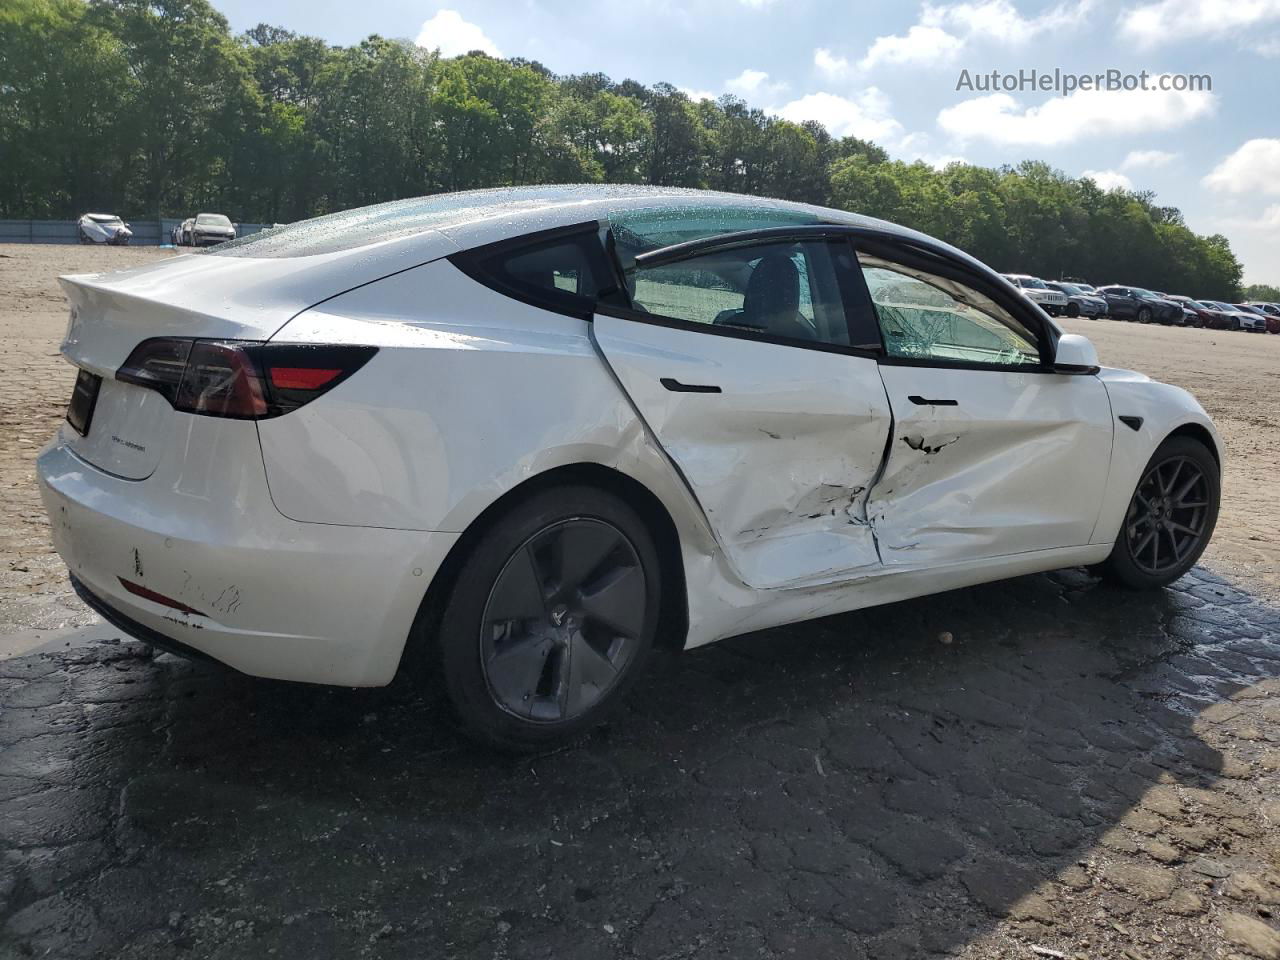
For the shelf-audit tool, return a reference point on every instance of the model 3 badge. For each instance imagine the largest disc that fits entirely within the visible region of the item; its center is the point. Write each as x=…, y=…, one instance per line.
x=128, y=443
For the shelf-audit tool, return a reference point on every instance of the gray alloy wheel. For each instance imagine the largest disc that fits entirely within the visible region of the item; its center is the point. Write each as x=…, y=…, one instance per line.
x=548, y=620
x=1144, y=314
x=563, y=620
x=1168, y=516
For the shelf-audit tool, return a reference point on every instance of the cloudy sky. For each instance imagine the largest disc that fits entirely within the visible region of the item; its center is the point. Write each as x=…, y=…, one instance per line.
x=888, y=70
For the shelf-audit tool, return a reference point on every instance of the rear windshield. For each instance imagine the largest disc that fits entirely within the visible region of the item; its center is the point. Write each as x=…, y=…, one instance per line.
x=386, y=221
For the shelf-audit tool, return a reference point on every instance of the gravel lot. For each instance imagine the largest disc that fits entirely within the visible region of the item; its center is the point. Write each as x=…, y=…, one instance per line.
x=1079, y=771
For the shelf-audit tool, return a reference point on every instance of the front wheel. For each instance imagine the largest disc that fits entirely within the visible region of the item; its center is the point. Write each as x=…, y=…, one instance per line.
x=1170, y=518
x=1073, y=310
x=1144, y=315
x=551, y=619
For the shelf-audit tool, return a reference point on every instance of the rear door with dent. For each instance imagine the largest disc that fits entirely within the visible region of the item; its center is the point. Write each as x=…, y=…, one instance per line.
x=766, y=398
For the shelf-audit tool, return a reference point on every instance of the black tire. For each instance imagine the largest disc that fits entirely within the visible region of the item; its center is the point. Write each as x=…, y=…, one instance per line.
x=1235, y=325
x=1073, y=310
x=1144, y=315
x=550, y=540
x=1131, y=561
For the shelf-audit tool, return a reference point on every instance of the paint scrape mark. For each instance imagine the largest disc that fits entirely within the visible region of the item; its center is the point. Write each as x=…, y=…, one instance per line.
x=918, y=443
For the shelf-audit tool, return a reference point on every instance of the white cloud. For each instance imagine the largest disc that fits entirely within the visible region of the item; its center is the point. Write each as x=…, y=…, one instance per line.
x=922, y=45
x=867, y=115
x=829, y=65
x=756, y=4
x=1267, y=223
x=1165, y=21
x=999, y=118
x=754, y=85
x=453, y=36
x=1269, y=47
x=1254, y=167
x=696, y=95
x=944, y=30
x=1147, y=159
x=1108, y=179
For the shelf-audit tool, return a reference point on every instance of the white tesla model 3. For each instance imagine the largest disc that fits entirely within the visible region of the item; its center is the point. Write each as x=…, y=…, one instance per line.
x=519, y=438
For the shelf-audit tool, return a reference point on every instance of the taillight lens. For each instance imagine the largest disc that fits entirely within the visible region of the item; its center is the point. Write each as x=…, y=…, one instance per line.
x=240, y=379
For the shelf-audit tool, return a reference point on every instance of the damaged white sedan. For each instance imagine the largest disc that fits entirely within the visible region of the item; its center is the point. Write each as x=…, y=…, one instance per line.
x=517, y=439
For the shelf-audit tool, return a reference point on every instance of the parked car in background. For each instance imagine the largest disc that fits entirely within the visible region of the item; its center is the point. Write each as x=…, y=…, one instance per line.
x=1053, y=302
x=210, y=228
x=1137, y=303
x=103, y=228
x=1270, y=311
x=1198, y=315
x=1233, y=318
x=1079, y=301
x=464, y=434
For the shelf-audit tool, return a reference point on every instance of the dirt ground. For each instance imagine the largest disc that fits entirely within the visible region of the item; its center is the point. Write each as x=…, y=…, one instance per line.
x=1043, y=767
x=1235, y=375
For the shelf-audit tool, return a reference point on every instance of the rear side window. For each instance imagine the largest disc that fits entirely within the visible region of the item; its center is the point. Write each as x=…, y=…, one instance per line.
x=786, y=290
x=563, y=270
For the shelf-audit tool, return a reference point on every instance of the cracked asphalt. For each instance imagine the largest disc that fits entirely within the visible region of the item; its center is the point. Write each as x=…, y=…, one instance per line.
x=1078, y=770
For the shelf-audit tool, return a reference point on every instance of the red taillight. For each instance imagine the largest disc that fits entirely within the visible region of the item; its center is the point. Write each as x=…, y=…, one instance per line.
x=225, y=378
x=300, y=378
x=221, y=380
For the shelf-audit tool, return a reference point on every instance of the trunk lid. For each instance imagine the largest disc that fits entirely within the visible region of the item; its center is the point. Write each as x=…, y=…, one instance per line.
x=209, y=297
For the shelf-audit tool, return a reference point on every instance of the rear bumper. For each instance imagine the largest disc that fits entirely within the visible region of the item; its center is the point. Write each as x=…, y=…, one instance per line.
x=132, y=627
x=266, y=595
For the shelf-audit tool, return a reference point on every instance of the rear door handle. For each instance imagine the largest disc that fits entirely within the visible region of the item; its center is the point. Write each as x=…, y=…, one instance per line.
x=675, y=386
x=922, y=402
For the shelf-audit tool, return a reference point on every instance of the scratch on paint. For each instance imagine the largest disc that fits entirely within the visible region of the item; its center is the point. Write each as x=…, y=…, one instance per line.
x=918, y=443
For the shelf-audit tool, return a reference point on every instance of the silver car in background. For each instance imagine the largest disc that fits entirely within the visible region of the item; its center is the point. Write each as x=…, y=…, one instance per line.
x=1080, y=302
x=210, y=228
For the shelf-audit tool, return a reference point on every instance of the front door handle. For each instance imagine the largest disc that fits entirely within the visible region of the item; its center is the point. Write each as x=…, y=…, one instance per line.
x=675, y=386
x=922, y=402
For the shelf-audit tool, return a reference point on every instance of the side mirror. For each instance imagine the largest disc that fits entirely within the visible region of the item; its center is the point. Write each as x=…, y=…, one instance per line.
x=1075, y=354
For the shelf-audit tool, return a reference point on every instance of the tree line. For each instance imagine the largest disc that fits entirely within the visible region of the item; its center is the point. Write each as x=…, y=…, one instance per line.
x=153, y=108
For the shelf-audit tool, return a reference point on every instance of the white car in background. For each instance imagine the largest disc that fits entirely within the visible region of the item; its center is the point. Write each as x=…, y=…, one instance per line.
x=518, y=438
x=1053, y=302
x=209, y=228
x=103, y=228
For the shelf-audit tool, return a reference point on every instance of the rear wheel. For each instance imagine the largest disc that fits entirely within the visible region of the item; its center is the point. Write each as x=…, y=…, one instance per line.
x=1170, y=518
x=551, y=619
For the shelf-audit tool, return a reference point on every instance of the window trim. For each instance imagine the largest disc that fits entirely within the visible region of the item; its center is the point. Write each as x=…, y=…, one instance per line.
x=846, y=280
x=471, y=260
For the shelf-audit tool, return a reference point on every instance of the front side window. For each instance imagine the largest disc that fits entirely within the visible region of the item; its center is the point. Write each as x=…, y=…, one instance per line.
x=786, y=290
x=931, y=318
